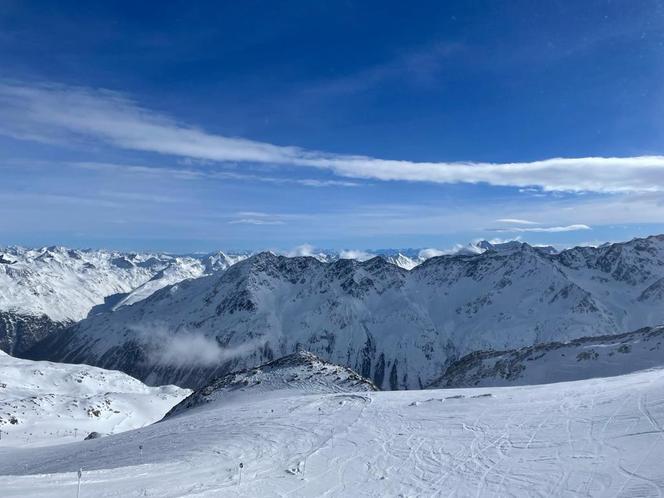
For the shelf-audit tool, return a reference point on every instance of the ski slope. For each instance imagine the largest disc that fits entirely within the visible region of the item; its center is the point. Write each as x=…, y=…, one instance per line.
x=599, y=437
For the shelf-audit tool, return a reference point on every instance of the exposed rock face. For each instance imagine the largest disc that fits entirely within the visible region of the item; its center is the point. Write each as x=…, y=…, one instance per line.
x=400, y=328
x=18, y=332
x=300, y=372
x=583, y=358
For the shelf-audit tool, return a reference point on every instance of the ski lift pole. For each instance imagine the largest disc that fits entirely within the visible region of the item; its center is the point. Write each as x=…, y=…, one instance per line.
x=78, y=490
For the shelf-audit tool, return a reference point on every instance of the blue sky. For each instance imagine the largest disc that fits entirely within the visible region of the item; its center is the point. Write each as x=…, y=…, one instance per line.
x=247, y=125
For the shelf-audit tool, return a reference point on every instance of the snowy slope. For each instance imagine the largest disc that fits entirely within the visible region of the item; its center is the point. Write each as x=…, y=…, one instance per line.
x=43, y=290
x=43, y=403
x=64, y=283
x=220, y=260
x=182, y=269
x=601, y=437
x=399, y=328
x=584, y=358
x=298, y=373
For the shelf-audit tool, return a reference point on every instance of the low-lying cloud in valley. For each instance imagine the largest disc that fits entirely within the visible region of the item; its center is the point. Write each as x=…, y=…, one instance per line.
x=183, y=347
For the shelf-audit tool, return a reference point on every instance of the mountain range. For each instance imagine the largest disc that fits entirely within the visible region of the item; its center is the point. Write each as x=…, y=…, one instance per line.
x=401, y=328
x=44, y=290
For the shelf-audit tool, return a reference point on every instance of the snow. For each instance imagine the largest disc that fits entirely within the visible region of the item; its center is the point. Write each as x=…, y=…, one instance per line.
x=400, y=328
x=44, y=403
x=601, y=437
x=583, y=358
x=300, y=372
x=65, y=284
x=181, y=270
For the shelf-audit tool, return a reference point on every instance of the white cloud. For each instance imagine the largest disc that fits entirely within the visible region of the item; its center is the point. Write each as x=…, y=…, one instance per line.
x=168, y=347
x=255, y=221
x=57, y=113
x=356, y=254
x=302, y=250
x=498, y=240
x=193, y=174
x=307, y=182
x=467, y=249
x=517, y=221
x=567, y=228
x=258, y=218
x=430, y=253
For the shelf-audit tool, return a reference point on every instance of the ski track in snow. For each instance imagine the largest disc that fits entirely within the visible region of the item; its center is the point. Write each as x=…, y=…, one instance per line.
x=602, y=437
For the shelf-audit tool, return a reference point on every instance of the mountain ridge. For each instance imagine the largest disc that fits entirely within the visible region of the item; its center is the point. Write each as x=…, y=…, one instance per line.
x=299, y=373
x=547, y=363
x=400, y=328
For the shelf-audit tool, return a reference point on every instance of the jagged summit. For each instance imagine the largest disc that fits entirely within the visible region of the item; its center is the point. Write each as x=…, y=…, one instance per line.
x=4, y=260
x=301, y=372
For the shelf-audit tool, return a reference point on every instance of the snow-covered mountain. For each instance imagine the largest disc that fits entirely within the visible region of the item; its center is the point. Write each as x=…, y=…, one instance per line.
x=512, y=245
x=64, y=284
x=403, y=261
x=298, y=373
x=47, y=289
x=44, y=290
x=584, y=358
x=599, y=437
x=399, y=328
x=44, y=403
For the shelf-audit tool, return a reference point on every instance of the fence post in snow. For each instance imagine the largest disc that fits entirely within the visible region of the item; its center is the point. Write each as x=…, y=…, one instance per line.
x=78, y=490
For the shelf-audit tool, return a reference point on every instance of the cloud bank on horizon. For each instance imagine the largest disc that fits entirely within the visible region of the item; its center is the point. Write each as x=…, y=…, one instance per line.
x=53, y=113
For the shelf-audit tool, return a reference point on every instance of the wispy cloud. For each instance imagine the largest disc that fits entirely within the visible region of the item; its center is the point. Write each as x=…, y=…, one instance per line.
x=166, y=346
x=56, y=113
x=302, y=250
x=355, y=254
x=197, y=174
x=420, y=67
x=255, y=221
x=517, y=221
x=567, y=228
x=257, y=218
